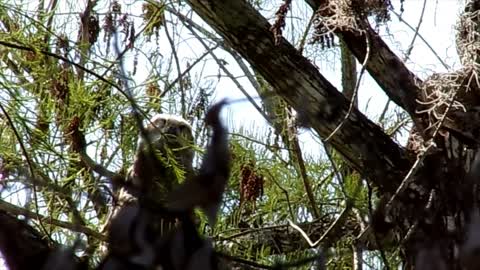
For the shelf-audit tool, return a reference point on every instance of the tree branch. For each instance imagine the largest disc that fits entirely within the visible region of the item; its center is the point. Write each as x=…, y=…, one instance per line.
x=15, y=210
x=22, y=246
x=386, y=68
x=297, y=80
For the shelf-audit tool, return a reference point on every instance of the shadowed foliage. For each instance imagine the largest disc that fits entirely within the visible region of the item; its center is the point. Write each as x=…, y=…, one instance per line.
x=114, y=153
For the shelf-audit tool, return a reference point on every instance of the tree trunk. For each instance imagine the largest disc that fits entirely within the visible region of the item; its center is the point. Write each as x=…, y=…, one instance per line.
x=426, y=212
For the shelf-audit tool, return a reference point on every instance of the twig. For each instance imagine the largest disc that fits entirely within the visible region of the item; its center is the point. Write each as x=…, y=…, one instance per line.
x=247, y=232
x=101, y=170
x=128, y=93
x=357, y=86
x=384, y=112
x=228, y=73
x=294, y=148
x=303, y=40
x=94, y=74
x=298, y=157
x=15, y=210
x=407, y=179
x=243, y=261
x=30, y=167
x=423, y=39
x=285, y=192
x=177, y=64
x=181, y=75
x=410, y=47
x=325, y=234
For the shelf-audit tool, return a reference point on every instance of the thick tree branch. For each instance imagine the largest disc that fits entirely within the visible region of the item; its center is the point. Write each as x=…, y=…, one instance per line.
x=399, y=83
x=15, y=210
x=284, y=239
x=294, y=78
x=386, y=68
x=22, y=246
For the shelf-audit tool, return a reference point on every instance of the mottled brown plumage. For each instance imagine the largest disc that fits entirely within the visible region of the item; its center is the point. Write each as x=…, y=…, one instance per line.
x=161, y=161
x=157, y=167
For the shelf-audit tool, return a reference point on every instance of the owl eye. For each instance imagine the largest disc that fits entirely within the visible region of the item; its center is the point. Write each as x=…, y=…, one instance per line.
x=159, y=122
x=176, y=130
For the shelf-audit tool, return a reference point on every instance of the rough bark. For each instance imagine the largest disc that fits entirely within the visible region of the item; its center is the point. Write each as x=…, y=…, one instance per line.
x=424, y=212
x=297, y=80
x=386, y=68
x=401, y=85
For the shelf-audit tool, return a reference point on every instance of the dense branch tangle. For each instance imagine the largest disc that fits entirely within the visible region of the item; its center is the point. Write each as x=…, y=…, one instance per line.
x=81, y=136
x=362, y=143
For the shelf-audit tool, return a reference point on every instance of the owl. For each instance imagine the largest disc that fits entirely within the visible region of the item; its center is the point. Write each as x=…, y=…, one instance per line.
x=166, y=237
x=164, y=158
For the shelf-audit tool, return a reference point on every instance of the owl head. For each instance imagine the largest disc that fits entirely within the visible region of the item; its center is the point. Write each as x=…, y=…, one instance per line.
x=171, y=141
x=170, y=127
